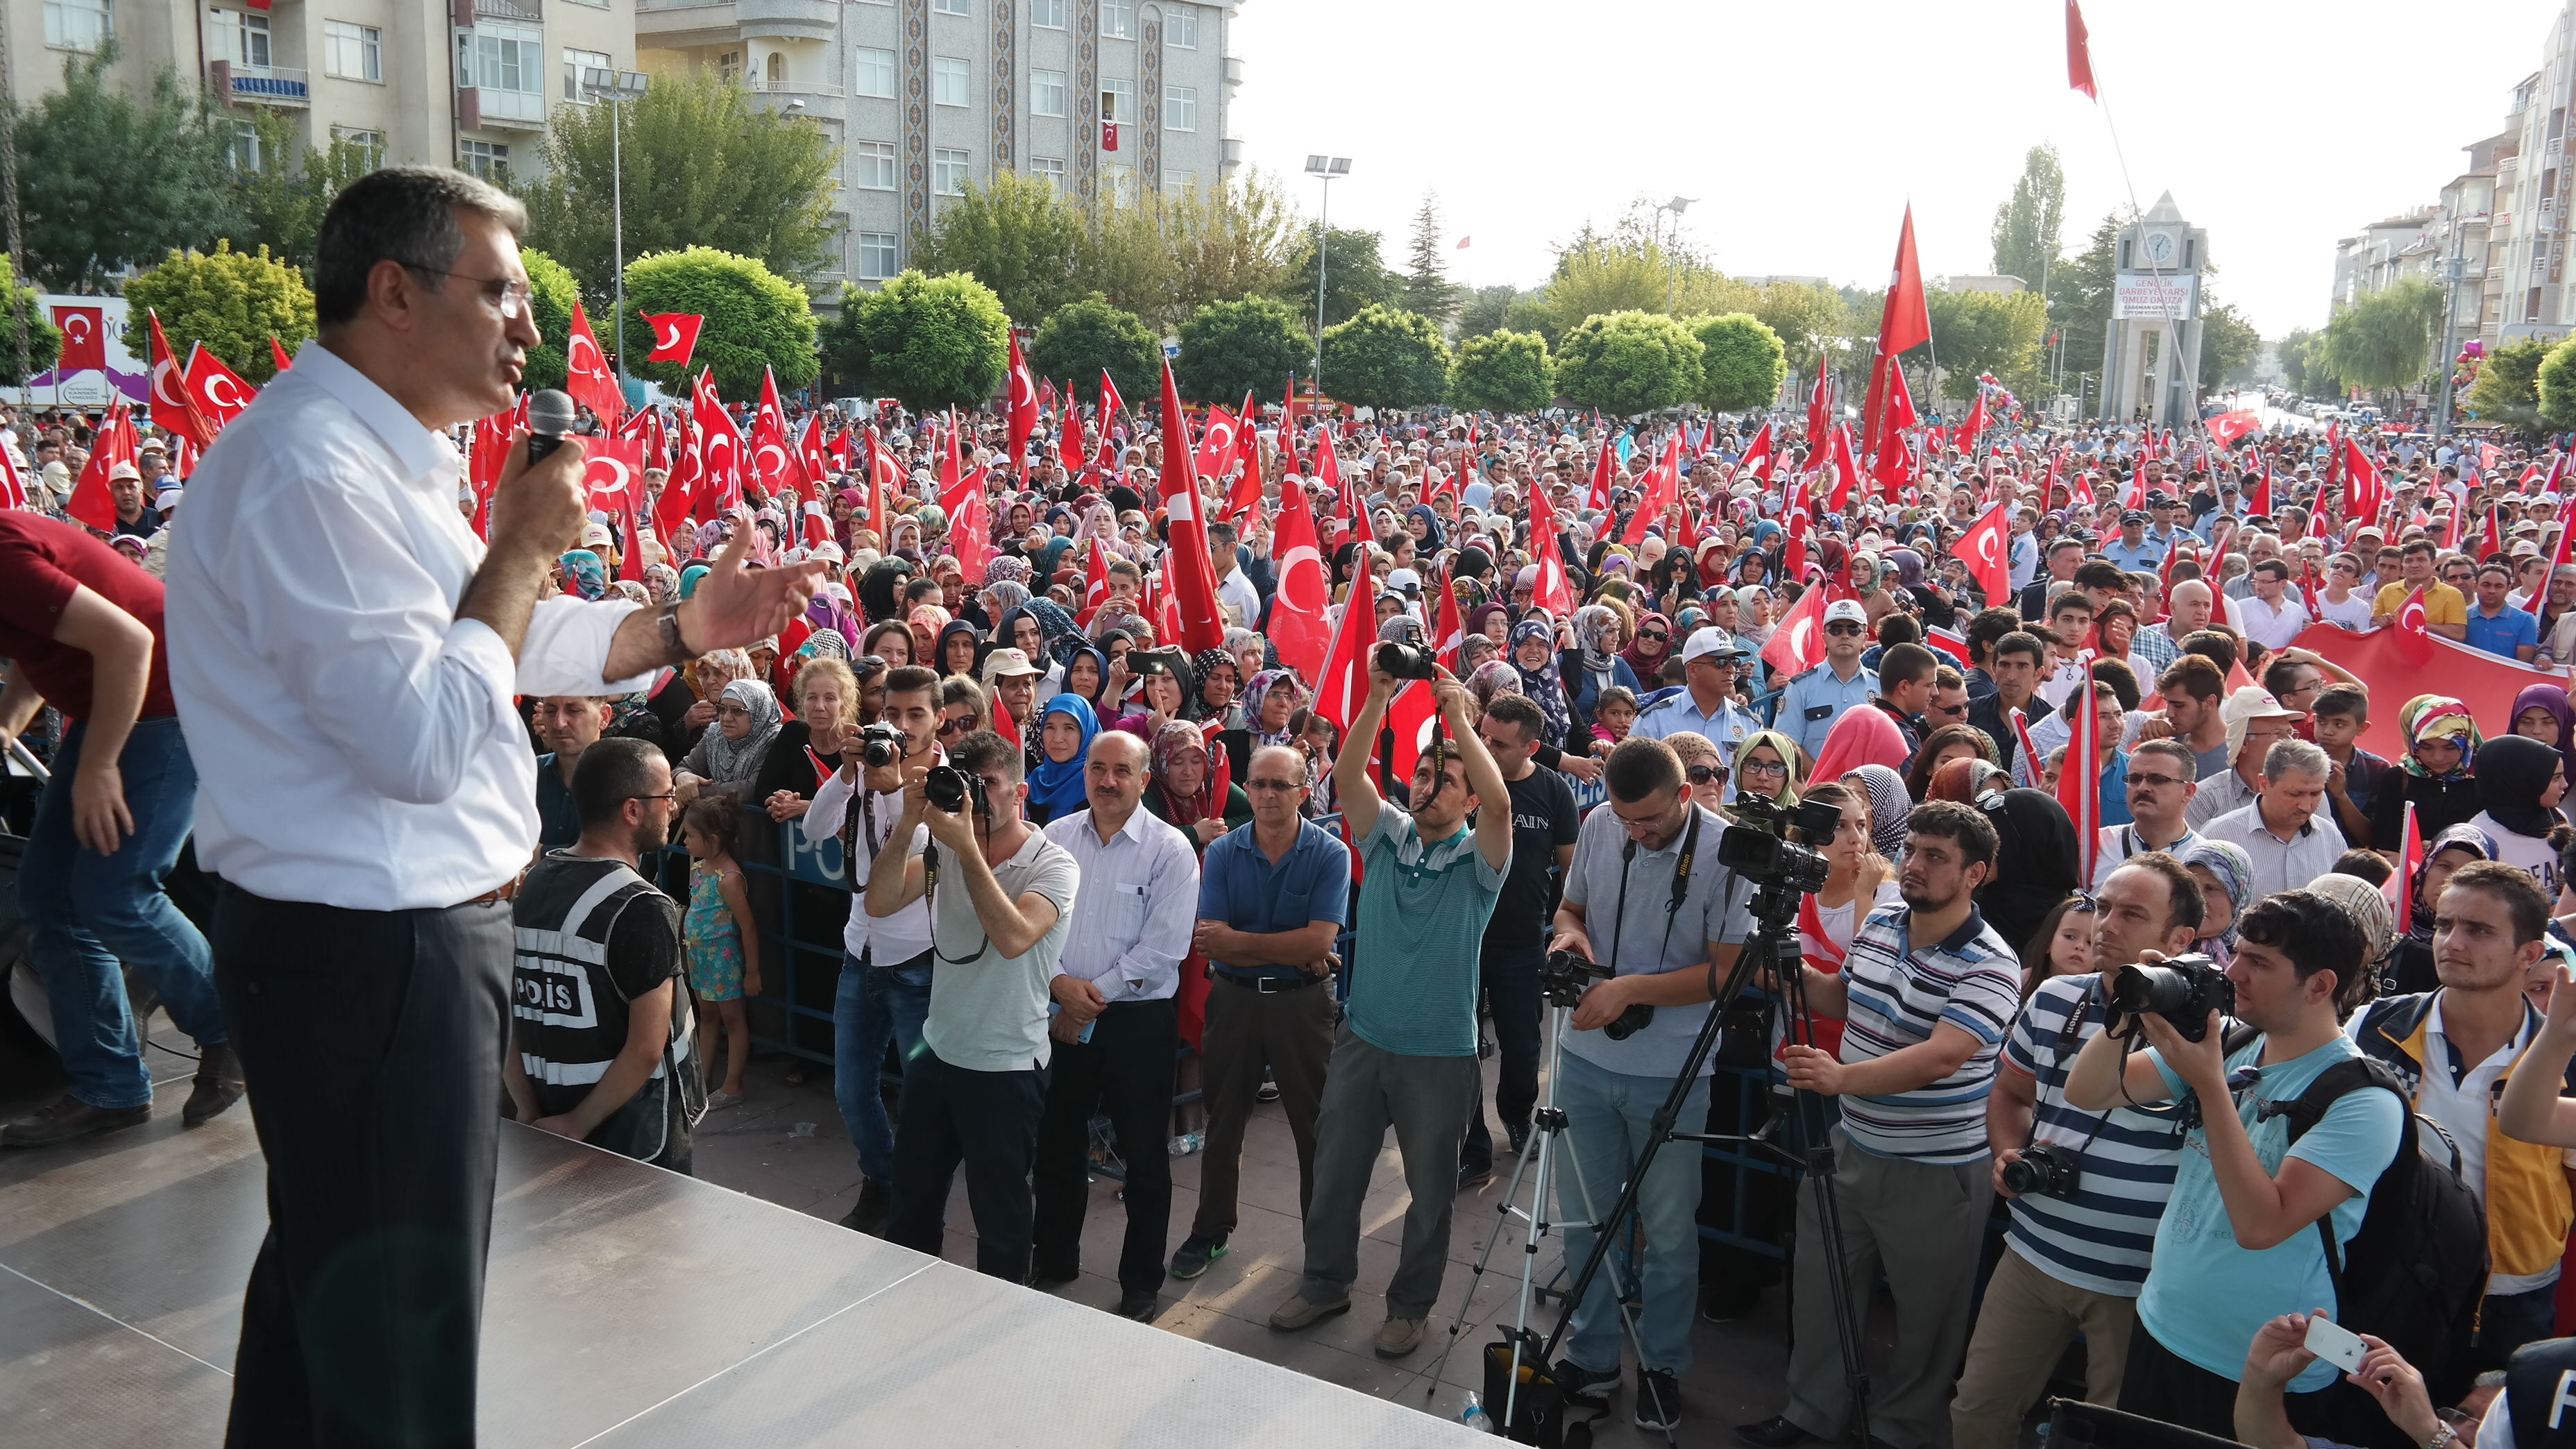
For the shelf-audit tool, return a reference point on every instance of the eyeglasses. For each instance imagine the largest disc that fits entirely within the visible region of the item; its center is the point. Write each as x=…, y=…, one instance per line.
x=511, y=297
x=2155, y=782
x=1843, y=629
x=1280, y=786
x=1766, y=767
x=665, y=795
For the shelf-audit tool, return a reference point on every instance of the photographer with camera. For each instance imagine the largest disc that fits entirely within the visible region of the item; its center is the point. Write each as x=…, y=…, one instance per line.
x=884, y=991
x=1405, y=1055
x=2086, y=1187
x=1660, y=947
x=2237, y=1243
x=1926, y=993
x=976, y=1089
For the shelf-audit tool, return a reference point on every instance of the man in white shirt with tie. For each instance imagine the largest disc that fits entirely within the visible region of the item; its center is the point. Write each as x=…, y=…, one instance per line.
x=1117, y=1025
x=344, y=653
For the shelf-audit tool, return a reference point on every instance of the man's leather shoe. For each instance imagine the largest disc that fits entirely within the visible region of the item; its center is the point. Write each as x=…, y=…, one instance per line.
x=1143, y=1306
x=67, y=1118
x=868, y=1215
x=219, y=1085
x=1772, y=1433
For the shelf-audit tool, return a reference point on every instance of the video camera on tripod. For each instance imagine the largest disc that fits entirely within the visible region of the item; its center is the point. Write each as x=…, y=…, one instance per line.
x=1758, y=848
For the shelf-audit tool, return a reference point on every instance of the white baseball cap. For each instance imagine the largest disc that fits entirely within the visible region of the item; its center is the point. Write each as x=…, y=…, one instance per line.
x=1842, y=609
x=1712, y=641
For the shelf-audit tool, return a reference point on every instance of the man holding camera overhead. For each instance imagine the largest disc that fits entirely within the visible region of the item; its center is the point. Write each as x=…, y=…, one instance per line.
x=1646, y=902
x=2087, y=1188
x=999, y=894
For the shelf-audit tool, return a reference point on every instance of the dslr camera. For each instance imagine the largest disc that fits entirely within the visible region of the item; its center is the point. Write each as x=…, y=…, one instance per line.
x=1757, y=847
x=1564, y=977
x=2045, y=1170
x=951, y=788
x=881, y=745
x=2184, y=991
x=1406, y=661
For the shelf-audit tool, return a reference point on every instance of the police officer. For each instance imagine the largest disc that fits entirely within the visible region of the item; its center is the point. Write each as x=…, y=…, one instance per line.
x=1706, y=705
x=1815, y=699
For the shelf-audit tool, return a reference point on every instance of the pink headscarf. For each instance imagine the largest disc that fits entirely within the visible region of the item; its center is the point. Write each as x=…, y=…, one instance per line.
x=1863, y=736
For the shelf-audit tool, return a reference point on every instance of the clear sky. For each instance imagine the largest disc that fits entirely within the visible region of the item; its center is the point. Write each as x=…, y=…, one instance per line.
x=1804, y=129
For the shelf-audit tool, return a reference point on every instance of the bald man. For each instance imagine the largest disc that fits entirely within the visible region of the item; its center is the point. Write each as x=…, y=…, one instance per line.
x=2190, y=606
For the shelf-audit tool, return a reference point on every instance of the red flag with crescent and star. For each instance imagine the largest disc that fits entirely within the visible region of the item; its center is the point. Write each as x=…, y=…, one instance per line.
x=586, y=374
x=1299, y=627
x=675, y=336
x=1194, y=584
x=720, y=445
x=1986, y=548
x=170, y=407
x=84, y=339
x=773, y=460
x=1095, y=582
x=1554, y=592
x=93, y=499
x=2079, y=780
x=1023, y=406
x=1798, y=644
x=612, y=473
x=1904, y=322
x=216, y=393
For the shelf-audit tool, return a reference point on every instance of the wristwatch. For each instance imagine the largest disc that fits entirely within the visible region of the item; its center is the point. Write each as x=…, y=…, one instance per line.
x=2442, y=1437
x=675, y=650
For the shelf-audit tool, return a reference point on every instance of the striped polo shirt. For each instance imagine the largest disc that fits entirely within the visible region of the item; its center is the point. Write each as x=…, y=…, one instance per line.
x=1897, y=992
x=2101, y=1238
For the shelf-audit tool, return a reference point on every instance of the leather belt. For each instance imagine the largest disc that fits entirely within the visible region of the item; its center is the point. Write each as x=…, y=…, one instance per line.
x=507, y=890
x=1272, y=985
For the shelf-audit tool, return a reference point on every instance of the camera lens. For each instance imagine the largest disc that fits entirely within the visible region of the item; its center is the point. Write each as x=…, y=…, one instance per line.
x=1403, y=661
x=2021, y=1177
x=945, y=787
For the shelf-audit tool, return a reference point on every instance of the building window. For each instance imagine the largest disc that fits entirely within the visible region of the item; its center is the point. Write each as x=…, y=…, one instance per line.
x=1180, y=183
x=243, y=37
x=354, y=52
x=729, y=66
x=948, y=172
x=872, y=165
x=246, y=153
x=370, y=144
x=1047, y=14
x=876, y=256
x=487, y=159
x=509, y=58
x=1046, y=93
x=1118, y=102
x=1117, y=20
x=1120, y=184
x=1049, y=169
x=777, y=69
x=577, y=61
x=951, y=7
x=1180, y=108
x=950, y=81
x=77, y=24
x=876, y=73
x=1181, y=27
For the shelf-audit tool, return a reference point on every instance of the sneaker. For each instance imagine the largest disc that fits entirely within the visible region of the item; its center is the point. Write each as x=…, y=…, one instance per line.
x=1399, y=1336
x=1297, y=1313
x=1144, y=1306
x=1591, y=1388
x=219, y=1085
x=868, y=1215
x=1520, y=1138
x=1659, y=1400
x=1775, y=1432
x=67, y=1118
x=1269, y=1091
x=1474, y=1179
x=1196, y=1253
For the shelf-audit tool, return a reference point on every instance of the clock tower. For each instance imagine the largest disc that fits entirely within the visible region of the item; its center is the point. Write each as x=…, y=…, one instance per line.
x=2151, y=349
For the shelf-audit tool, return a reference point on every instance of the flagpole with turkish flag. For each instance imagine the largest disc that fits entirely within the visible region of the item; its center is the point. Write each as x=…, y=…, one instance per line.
x=1554, y=592
x=1299, y=628
x=1986, y=548
x=170, y=406
x=675, y=336
x=1185, y=527
x=586, y=374
x=1024, y=406
x=1904, y=323
x=93, y=499
x=2079, y=780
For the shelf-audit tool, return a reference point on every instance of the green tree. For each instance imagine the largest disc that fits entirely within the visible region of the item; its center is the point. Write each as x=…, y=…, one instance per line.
x=1984, y=332
x=2293, y=351
x=44, y=343
x=1486, y=309
x=1081, y=338
x=2227, y=343
x=1354, y=277
x=930, y=342
x=704, y=167
x=1386, y=358
x=232, y=302
x=1626, y=363
x=2508, y=385
x=1809, y=318
x=1533, y=314
x=1427, y=291
x=1741, y=362
x=2385, y=339
x=2080, y=292
x=108, y=180
x=2027, y=225
x=1223, y=242
x=1230, y=348
x=552, y=292
x=2555, y=383
x=283, y=201
x=755, y=319
x=1018, y=236
x=1504, y=372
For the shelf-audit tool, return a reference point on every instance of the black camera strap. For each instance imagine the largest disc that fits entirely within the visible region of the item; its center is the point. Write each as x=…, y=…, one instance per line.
x=2066, y=1038
x=1673, y=907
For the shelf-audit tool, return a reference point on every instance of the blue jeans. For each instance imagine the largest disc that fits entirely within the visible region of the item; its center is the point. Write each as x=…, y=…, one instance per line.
x=873, y=1005
x=86, y=911
x=1609, y=1115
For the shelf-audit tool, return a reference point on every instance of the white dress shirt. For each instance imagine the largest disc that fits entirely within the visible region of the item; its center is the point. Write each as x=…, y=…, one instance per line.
x=905, y=934
x=1137, y=905
x=2279, y=865
x=2272, y=627
x=357, y=744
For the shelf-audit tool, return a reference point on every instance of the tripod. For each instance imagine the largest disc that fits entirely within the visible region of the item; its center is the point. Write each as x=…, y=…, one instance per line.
x=1774, y=944
x=1538, y=1161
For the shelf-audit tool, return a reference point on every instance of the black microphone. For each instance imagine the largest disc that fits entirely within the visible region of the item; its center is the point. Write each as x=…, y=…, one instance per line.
x=550, y=416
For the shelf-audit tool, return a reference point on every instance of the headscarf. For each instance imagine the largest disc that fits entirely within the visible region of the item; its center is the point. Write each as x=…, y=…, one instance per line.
x=1100, y=663
x=1006, y=569
x=928, y=618
x=1255, y=695
x=938, y=660
x=1058, y=635
x=1590, y=623
x=2552, y=698
x=1475, y=651
x=1889, y=804
x=1962, y=780
x=2362, y=901
x=691, y=577
x=1431, y=538
x=629, y=589
x=587, y=575
x=826, y=612
x=1476, y=617
x=740, y=759
x=2034, y=861
x=2438, y=716
x=662, y=581
x=1648, y=667
x=1542, y=684
x=1782, y=746
x=1182, y=813
x=1493, y=677
x=2419, y=920
x=1863, y=736
x=2513, y=771
x=825, y=644
x=1056, y=785
x=2234, y=870
x=1203, y=667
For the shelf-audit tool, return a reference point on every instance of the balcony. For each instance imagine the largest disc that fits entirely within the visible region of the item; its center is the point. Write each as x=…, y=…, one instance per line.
x=530, y=11
x=265, y=85
x=500, y=110
x=793, y=87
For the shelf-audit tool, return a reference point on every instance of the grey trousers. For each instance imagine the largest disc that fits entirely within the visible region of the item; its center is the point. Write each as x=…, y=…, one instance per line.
x=1366, y=1091
x=1921, y=1226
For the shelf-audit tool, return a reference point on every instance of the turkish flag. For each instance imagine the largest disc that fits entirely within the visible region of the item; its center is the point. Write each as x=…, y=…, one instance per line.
x=2079, y=53
x=1216, y=452
x=586, y=374
x=1024, y=406
x=216, y=393
x=773, y=459
x=2566, y=528
x=1553, y=593
x=1342, y=679
x=634, y=528
x=93, y=501
x=1299, y=627
x=1111, y=404
x=1986, y=548
x=675, y=336
x=1194, y=576
x=685, y=485
x=2410, y=859
x=612, y=474
x=1798, y=645
x=84, y=332
x=813, y=457
x=170, y=388
x=2261, y=502
x=2363, y=493
x=2228, y=427
x=1757, y=454
x=1663, y=488
x=1903, y=323
x=2079, y=781
x=1846, y=472
x=1095, y=582
x=720, y=446
x=277, y=353
x=1598, y=498
x=13, y=489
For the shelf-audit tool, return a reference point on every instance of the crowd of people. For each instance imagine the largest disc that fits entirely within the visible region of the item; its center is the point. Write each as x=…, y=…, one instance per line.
x=1089, y=871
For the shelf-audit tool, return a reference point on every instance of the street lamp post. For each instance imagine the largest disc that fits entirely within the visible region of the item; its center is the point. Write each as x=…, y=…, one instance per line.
x=1326, y=169
x=614, y=87
x=1672, y=269
x=2454, y=268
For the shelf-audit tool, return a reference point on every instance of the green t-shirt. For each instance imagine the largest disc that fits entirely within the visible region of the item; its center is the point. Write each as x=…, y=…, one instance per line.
x=1422, y=919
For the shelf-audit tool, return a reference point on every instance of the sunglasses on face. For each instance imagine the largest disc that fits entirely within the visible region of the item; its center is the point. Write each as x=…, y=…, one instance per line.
x=1845, y=630
x=955, y=726
x=1279, y=786
x=1704, y=774
x=1655, y=635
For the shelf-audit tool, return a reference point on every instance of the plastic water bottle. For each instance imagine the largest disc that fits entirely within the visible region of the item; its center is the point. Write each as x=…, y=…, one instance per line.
x=1187, y=1143
x=1474, y=1415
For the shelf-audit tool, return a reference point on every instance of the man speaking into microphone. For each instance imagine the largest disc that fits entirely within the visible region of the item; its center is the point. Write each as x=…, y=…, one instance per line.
x=344, y=653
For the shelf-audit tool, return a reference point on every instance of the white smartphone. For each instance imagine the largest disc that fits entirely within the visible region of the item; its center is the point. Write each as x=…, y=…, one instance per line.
x=2335, y=1344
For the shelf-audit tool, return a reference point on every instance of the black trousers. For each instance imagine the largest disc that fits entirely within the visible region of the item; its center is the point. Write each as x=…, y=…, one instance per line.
x=988, y=1121
x=1509, y=980
x=371, y=1042
x=1125, y=1073
x=2158, y=1383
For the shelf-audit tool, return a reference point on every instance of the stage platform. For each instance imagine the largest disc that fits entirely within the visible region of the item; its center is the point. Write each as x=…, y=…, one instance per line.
x=627, y=1307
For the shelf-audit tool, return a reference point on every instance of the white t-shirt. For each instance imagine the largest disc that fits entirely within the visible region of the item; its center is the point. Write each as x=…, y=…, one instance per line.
x=2531, y=852
x=2353, y=613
